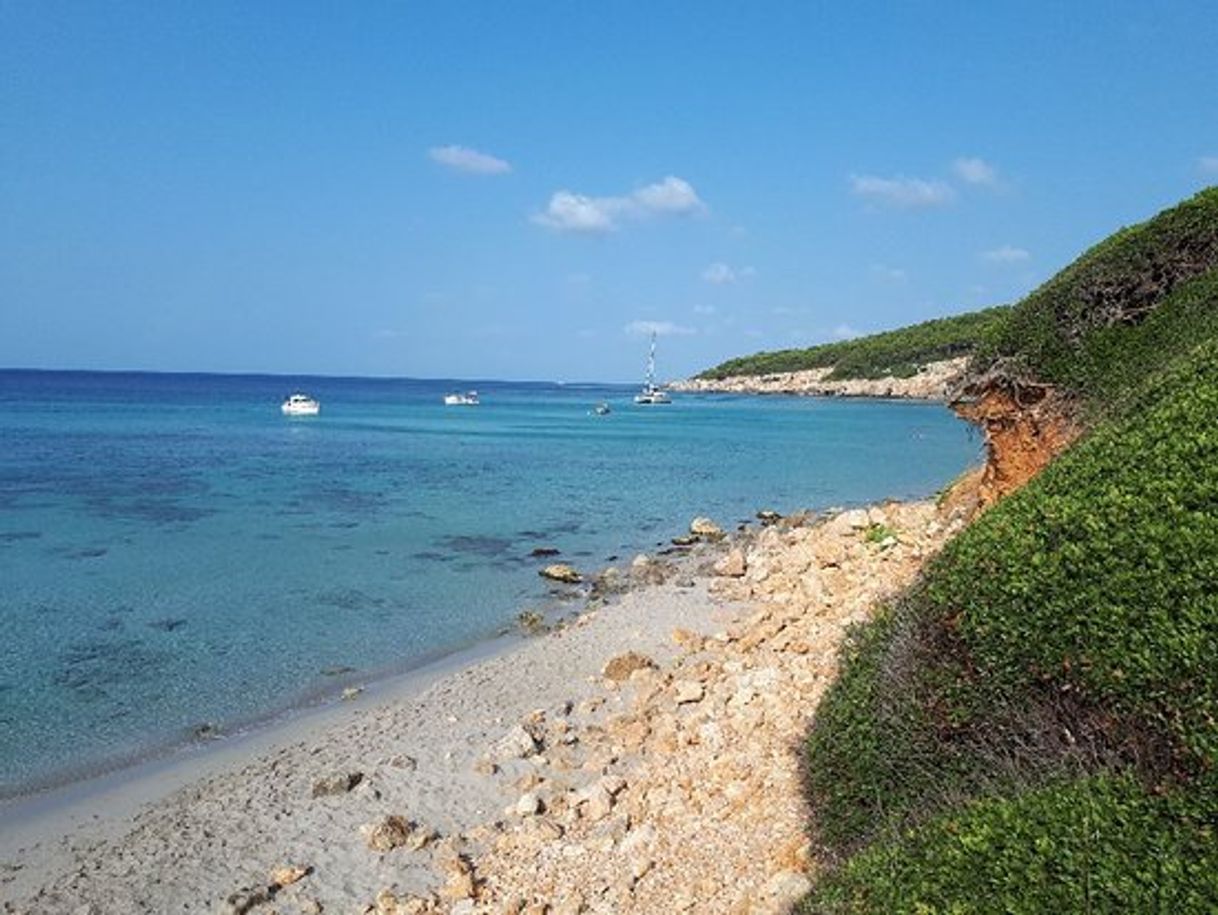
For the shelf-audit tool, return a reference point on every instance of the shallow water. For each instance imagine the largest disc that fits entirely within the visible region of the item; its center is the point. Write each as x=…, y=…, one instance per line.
x=173, y=551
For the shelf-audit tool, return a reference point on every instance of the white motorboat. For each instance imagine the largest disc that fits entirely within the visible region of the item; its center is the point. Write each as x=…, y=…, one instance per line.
x=468, y=399
x=300, y=405
x=651, y=393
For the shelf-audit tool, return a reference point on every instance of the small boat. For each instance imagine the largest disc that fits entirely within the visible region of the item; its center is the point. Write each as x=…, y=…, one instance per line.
x=468, y=399
x=651, y=393
x=300, y=405
x=602, y=409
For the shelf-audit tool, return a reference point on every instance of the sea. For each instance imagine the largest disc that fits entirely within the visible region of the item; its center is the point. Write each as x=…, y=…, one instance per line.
x=178, y=560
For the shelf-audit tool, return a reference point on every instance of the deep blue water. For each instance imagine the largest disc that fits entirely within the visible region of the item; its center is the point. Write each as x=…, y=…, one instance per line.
x=173, y=551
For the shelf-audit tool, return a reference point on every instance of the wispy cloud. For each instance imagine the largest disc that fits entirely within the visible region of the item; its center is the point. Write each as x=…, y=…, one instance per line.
x=889, y=274
x=1005, y=254
x=470, y=161
x=704, y=309
x=1208, y=165
x=720, y=274
x=972, y=170
x=899, y=191
x=845, y=332
x=571, y=212
x=659, y=328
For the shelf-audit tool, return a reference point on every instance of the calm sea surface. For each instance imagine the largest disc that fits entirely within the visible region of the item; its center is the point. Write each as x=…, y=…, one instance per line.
x=173, y=551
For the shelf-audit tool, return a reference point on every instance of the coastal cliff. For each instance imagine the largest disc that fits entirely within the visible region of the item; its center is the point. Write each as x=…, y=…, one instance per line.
x=932, y=381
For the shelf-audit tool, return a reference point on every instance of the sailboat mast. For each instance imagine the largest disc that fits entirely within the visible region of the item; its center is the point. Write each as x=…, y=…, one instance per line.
x=651, y=362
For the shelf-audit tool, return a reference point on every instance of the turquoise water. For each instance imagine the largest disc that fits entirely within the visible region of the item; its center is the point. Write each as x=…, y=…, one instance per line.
x=173, y=551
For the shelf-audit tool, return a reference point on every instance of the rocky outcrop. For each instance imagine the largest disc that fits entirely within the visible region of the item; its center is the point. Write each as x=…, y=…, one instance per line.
x=932, y=383
x=561, y=572
x=680, y=791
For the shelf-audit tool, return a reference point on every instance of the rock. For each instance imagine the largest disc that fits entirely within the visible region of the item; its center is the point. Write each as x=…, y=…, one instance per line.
x=402, y=761
x=621, y=667
x=286, y=876
x=531, y=622
x=768, y=517
x=528, y=805
x=246, y=899
x=689, y=691
x=460, y=873
x=336, y=784
x=848, y=522
x=351, y=692
x=517, y=743
x=731, y=566
x=539, y=551
x=788, y=887
x=684, y=540
x=706, y=529
x=561, y=572
x=390, y=833
x=389, y=903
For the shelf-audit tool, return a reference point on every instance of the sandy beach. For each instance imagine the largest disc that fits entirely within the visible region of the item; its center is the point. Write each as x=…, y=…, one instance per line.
x=517, y=780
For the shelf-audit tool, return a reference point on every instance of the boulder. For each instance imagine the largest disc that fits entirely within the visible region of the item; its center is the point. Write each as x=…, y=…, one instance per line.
x=336, y=784
x=706, y=529
x=515, y=744
x=390, y=833
x=540, y=551
x=689, y=691
x=731, y=566
x=528, y=805
x=621, y=667
x=768, y=517
x=561, y=572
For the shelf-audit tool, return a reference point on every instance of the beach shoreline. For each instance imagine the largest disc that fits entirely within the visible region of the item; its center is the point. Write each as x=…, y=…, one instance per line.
x=186, y=834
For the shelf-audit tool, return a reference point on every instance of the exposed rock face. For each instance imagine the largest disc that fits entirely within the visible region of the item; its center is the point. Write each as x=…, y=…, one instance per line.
x=1024, y=430
x=932, y=383
x=705, y=528
x=732, y=565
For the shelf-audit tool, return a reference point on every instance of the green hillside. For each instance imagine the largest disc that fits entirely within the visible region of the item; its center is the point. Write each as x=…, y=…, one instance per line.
x=1034, y=726
x=900, y=353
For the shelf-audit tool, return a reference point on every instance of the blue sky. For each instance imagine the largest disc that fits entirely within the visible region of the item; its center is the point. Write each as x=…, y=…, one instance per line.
x=523, y=190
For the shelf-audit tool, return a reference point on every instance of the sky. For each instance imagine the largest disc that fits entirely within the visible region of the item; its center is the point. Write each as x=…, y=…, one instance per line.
x=528, y=190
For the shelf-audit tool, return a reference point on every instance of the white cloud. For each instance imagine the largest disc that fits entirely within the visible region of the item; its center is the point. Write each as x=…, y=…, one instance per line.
x=464, y=159
x=889, y=274
x=720, y=274
x=1005, y=254
x=659, y=328
x=672, y=195
x=571, y=212
x=1208, y=165
x=568, y=212
x=972, y=170
x=845, y=332
x=704, y=309
x=904, y=192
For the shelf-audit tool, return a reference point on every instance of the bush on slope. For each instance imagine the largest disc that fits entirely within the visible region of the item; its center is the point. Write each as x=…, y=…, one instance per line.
x=899, y=353
x=1073, y=630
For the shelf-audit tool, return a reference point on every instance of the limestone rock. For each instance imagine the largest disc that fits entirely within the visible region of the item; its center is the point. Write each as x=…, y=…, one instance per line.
x=390, y=833
x=732, y=565
x=336, y=784
x=286, y=876
x=561, y=572
x=621, y=667
x=517, y=743
x=706, y=529
x=528, y=805
x=689, y=691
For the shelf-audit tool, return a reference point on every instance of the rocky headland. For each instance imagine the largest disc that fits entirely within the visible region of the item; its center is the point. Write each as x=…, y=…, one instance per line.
x=933, y=382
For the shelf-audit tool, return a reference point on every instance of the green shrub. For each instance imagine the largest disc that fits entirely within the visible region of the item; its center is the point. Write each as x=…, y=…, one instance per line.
x=900, y=353
x=1100, y=844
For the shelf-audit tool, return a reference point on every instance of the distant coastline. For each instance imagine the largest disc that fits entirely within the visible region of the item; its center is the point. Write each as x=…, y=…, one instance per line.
x=932, y=382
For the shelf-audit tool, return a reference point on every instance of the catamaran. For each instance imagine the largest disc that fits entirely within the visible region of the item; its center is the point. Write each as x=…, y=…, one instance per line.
x=651, y=393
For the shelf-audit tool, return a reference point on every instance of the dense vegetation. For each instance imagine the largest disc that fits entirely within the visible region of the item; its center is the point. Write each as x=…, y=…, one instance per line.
x=899, y=353
x=1034, y=727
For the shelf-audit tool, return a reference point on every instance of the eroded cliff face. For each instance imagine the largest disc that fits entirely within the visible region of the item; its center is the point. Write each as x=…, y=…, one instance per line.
x=1025, y=427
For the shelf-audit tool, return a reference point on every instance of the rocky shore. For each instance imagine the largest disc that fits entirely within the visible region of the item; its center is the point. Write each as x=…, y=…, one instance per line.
x=932, y=383
x=642, y=758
